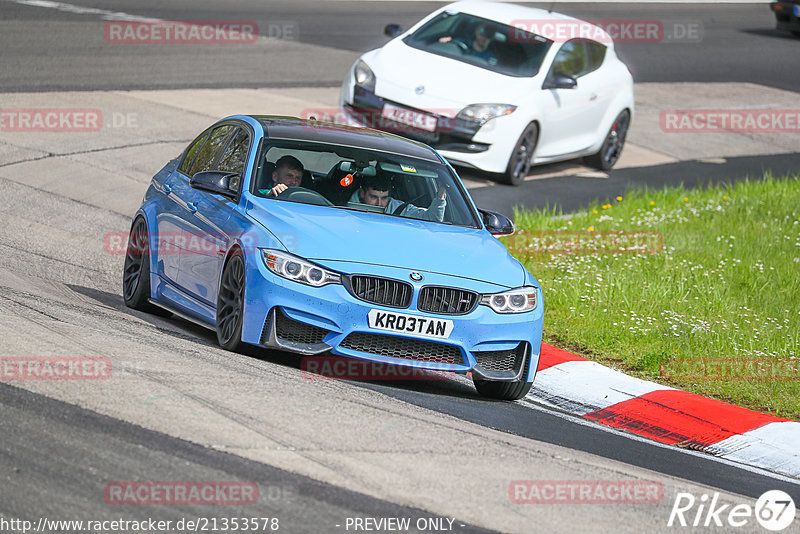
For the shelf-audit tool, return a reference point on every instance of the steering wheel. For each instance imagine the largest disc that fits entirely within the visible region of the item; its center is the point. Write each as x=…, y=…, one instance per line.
x=464, y=47
x=304, y=196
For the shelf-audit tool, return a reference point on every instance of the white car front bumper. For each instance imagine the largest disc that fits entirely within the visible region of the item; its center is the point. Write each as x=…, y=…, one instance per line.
x=487, y=147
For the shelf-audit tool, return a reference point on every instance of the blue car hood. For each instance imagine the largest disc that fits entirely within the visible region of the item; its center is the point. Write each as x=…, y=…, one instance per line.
x=328, y=234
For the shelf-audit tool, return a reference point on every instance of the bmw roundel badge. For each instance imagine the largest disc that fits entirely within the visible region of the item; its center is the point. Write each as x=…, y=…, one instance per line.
x=415, y=276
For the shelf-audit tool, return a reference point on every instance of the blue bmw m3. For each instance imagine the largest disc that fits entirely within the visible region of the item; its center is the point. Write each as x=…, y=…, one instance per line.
x=314, y=238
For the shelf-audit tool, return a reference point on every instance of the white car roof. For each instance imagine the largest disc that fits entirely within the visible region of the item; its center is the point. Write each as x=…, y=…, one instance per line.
x=506, y=13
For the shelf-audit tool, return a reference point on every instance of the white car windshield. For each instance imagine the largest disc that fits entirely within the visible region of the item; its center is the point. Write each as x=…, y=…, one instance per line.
x=483, y=43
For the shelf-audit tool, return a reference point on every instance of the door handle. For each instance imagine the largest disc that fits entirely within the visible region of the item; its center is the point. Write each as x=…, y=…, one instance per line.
x=193, y=207
x=593, y=96
x=167, y=189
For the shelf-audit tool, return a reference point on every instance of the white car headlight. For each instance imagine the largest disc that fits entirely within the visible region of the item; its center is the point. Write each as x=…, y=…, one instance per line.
x=364, y=76
x=481, y=113
x=294, y=268
x=517, y=300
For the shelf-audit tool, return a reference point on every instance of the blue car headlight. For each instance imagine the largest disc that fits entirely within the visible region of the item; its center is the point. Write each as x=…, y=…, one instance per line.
x=517, y=300
x=295, y=268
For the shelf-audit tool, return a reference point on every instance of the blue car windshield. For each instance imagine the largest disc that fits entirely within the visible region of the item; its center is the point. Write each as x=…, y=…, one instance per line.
x=344, y=177
x=483, y=43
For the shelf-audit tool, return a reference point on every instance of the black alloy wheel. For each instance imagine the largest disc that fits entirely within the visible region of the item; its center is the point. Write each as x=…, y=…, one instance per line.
x=230, y=304
x=611, y=150
x=520, y=162
x=136, y=272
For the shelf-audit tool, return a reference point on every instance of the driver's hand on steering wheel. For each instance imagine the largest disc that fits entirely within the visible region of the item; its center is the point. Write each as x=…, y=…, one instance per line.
x=278, y=189
x=446, y=39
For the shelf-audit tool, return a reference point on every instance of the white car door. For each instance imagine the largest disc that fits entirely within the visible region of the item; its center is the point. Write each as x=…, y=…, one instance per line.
x=571, y=116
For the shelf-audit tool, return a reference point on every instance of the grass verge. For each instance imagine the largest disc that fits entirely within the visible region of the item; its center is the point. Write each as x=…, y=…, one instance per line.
x=698, y=289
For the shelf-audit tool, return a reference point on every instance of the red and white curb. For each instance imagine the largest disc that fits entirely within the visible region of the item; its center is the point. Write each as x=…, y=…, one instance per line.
x=667, y=415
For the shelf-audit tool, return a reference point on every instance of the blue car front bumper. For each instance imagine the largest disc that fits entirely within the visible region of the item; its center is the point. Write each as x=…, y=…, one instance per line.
x=292, y=316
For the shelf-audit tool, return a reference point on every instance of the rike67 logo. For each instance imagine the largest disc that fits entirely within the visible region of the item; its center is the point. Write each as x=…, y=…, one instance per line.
x=774, y=510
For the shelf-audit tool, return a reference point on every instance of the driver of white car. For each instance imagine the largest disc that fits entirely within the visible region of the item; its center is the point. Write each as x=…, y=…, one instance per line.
x=478, y=46
x=375, y=192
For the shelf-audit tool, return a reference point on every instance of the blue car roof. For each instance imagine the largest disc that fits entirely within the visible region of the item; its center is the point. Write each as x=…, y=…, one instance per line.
x=323, y=132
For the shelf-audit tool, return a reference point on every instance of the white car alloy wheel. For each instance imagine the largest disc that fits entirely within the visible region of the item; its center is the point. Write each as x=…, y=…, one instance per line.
x=520, y=162
x=609, y=153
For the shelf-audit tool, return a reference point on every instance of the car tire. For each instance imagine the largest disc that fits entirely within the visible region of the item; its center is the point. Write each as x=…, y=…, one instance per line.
x=509, y=391
x=136, y=272
x=520, y=161
x=611, y=149
x=230, y=303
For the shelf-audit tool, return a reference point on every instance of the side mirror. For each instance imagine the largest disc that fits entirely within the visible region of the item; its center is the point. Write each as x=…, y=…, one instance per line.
x=497, y=223
x=392, y=30
x=560, y=81
x=221, y=182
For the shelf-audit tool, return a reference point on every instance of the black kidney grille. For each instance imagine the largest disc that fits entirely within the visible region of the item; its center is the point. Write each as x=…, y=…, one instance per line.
x=383, y=291
x=447, y=300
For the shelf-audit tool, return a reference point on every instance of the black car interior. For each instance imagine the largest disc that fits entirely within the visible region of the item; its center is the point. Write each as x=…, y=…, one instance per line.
x=345, y=177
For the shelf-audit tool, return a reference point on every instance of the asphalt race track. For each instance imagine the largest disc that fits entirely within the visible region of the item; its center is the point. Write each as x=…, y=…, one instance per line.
x=52, y=49
x=321, y=452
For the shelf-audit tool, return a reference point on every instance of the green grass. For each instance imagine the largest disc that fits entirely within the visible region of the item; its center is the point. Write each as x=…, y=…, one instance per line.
x=715, y=312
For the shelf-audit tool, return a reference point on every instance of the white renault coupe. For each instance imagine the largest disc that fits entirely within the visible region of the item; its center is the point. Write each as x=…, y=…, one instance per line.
x=497, y=87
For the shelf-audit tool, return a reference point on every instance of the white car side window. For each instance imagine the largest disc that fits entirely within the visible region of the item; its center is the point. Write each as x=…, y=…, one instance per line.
x=570, y=60
x=577, y=58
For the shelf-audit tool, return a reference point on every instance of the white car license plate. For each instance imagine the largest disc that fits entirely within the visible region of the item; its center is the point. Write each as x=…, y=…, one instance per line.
x=410, y=324
x=410, y=117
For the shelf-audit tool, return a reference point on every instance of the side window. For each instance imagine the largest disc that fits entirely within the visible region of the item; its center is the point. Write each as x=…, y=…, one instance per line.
x=597, y=53
x=578, y=57
x=570, y=60
x=234, y=156
x=192, y=152
x=208, y=154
